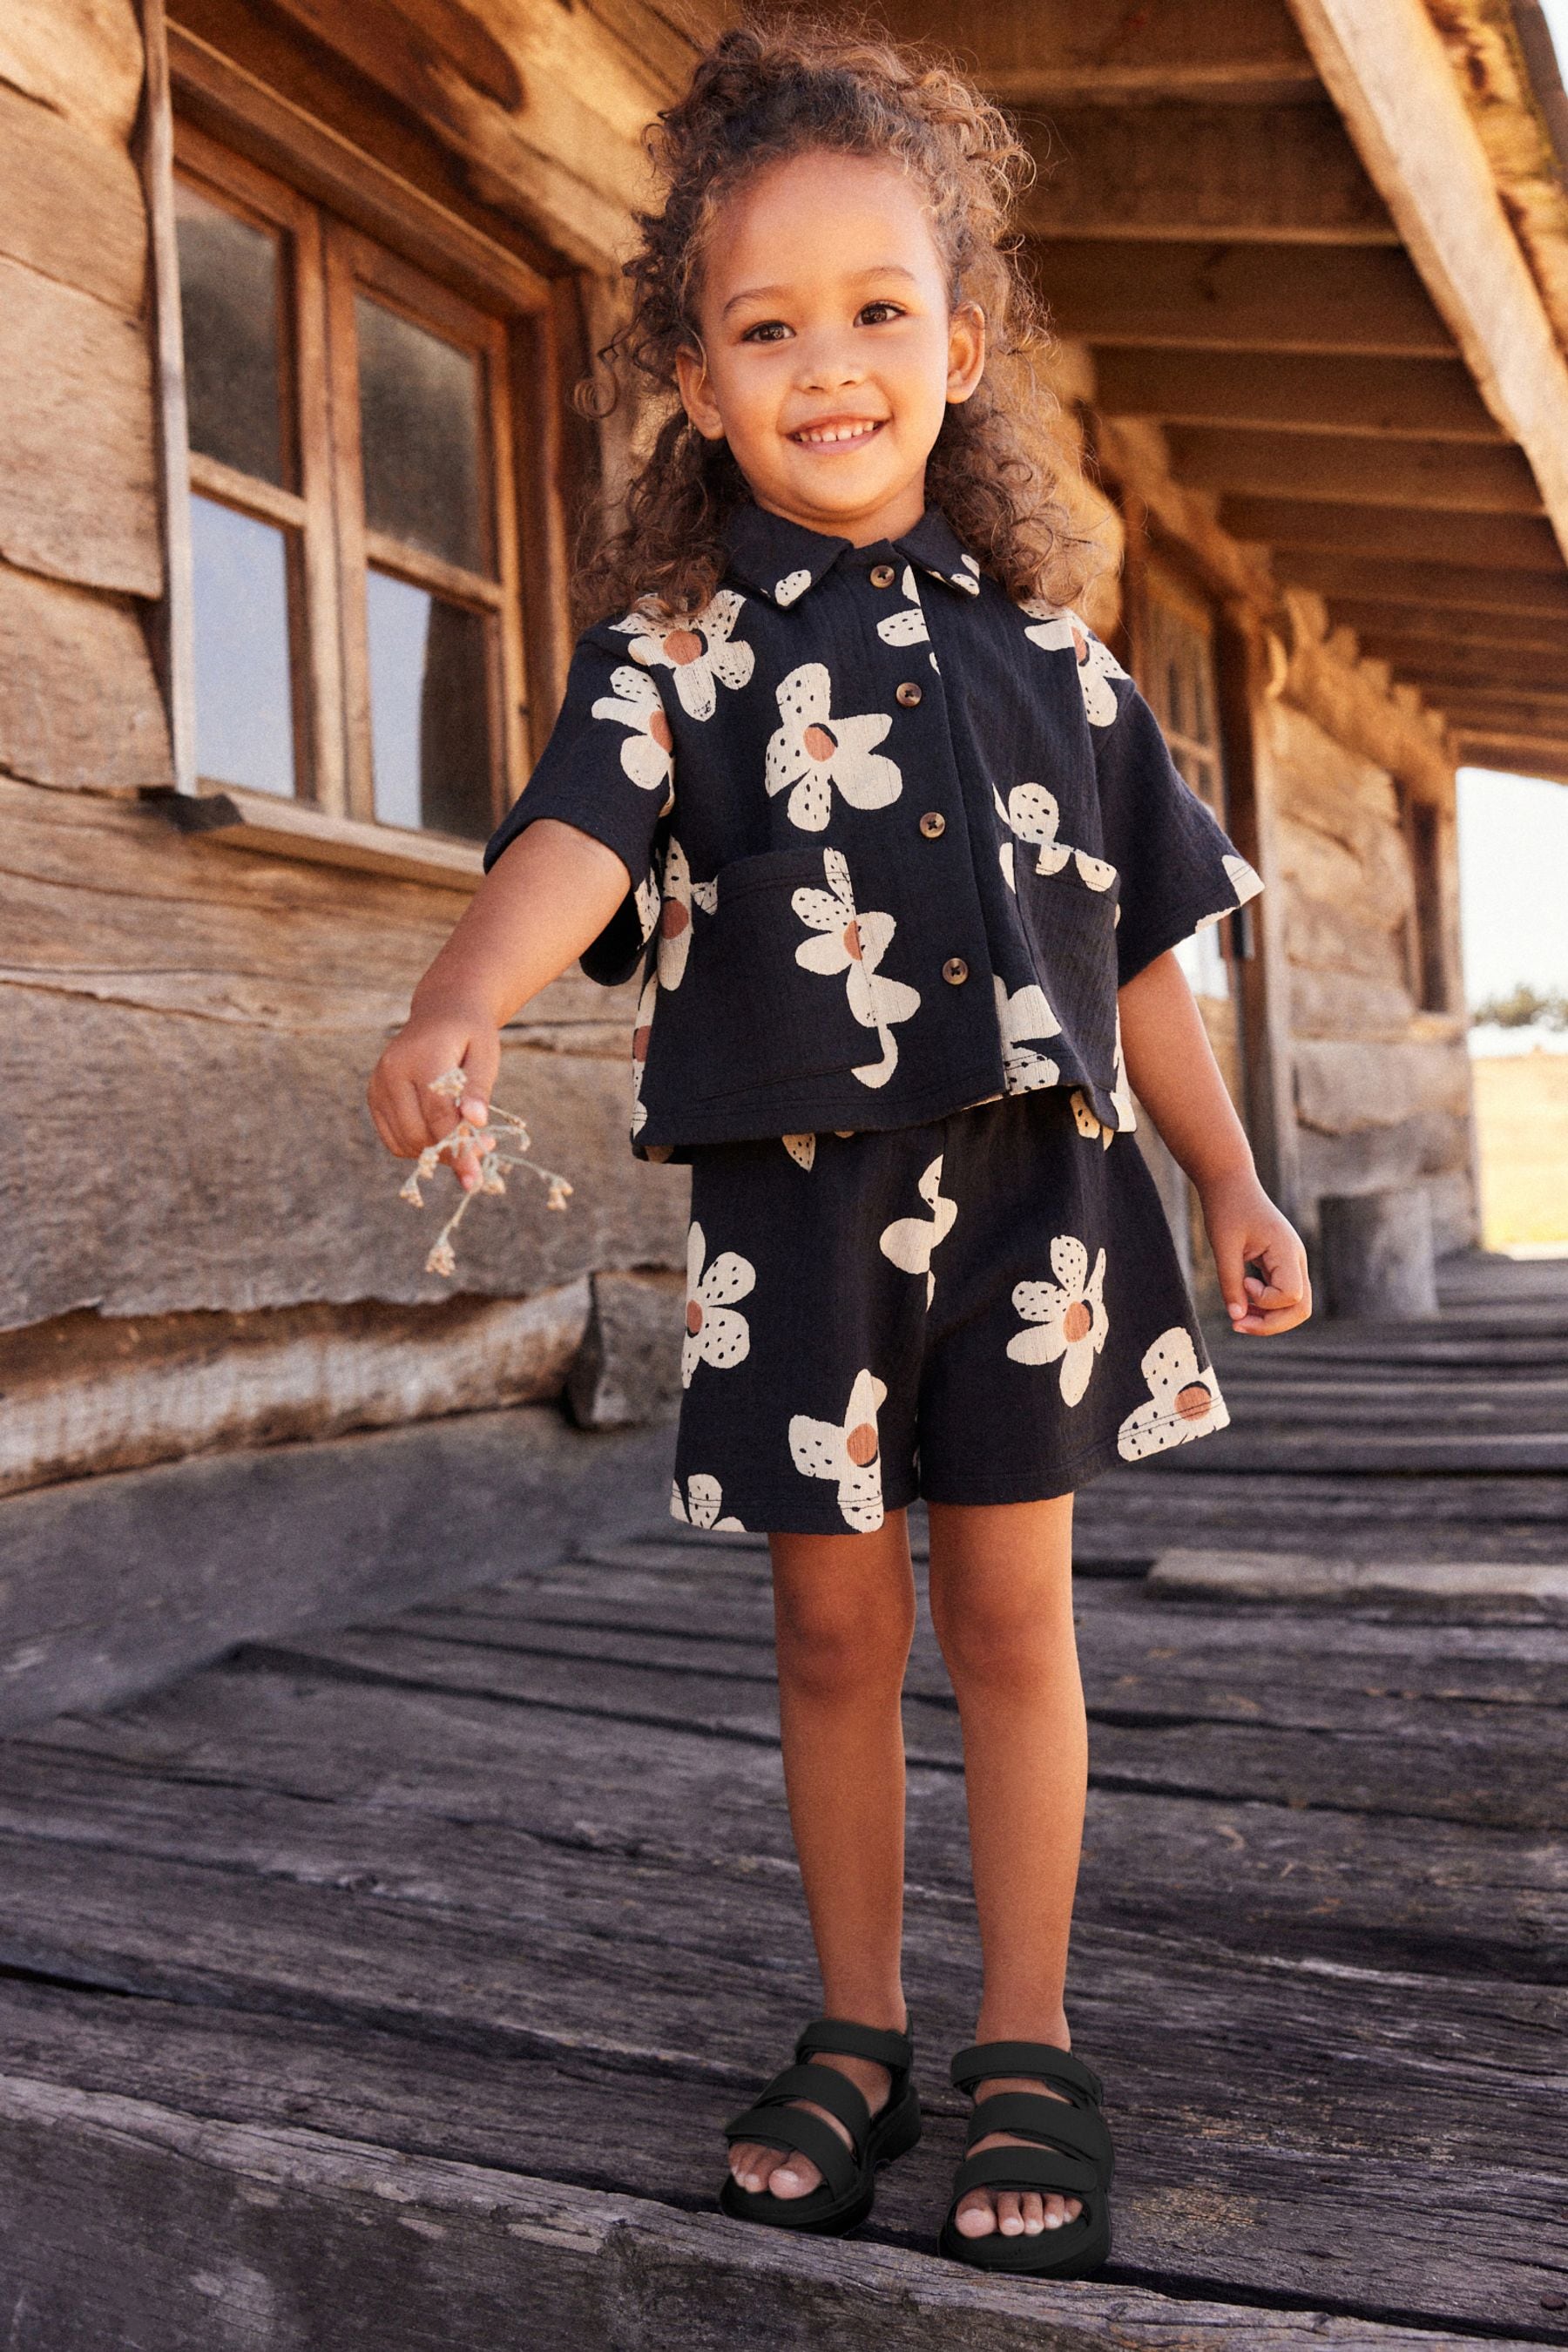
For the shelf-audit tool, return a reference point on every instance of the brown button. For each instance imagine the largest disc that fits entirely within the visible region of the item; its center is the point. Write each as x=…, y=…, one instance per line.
x=955, y=971
x=933, y=825
x=908, y=694
x=882, y=575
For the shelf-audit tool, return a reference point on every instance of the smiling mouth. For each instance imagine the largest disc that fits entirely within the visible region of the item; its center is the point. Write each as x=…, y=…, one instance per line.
x=846, y=434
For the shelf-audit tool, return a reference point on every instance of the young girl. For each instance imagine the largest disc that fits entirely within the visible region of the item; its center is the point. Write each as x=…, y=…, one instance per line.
x=892, y=841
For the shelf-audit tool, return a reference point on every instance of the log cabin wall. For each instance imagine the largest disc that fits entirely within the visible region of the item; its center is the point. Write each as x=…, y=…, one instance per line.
x=1264, y=340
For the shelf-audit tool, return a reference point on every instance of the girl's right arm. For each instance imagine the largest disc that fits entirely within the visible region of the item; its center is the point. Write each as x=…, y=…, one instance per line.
x=546, y=899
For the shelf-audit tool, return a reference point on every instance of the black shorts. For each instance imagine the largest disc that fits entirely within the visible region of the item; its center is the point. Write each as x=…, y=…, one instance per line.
x=986, y=1309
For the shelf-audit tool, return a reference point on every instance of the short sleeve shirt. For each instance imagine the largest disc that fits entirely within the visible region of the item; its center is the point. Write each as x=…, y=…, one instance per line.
x=894, y=840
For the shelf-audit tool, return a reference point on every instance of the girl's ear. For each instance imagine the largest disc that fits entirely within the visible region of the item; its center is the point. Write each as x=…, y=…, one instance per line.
x=965, y=350
x=697, y=393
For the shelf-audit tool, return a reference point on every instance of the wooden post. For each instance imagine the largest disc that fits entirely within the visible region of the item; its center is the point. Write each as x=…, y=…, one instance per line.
x=171, y=631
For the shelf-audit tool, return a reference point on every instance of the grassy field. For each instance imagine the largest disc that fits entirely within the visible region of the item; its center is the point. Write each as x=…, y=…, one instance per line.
x=1522, y=1116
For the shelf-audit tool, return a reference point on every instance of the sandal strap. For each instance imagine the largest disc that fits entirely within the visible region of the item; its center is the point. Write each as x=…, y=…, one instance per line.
x=829, y=2089
x=1045, y=2168
x=847, y=2039
x=1043, y=2060
x=793, y=2128
x=1081, y=2131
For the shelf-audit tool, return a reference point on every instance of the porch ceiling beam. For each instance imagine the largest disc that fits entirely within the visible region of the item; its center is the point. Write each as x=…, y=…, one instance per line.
x=1544, y=721
x=1526, y=755
x=1439, y=586
x=1510, y=673
x=1358, y=470
x=1190, y=48
x=1417, y=399
x=1504, y=543
x=1410, y=632
x=1208, y=295
x=1383, y=64
x=1272, y=174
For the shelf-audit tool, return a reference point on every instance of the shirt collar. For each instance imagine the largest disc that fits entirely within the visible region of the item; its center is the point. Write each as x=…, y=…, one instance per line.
x=783, y=560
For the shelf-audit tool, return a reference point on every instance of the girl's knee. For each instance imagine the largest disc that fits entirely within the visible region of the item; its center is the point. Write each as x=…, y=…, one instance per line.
x=835, y=1634
x=1009, y=1638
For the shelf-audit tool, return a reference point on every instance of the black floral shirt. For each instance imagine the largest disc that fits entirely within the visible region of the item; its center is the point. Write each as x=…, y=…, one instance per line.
x=896, y=841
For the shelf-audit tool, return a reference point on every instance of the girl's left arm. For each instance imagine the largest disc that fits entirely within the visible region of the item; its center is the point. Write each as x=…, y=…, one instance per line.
x=1173, y=1072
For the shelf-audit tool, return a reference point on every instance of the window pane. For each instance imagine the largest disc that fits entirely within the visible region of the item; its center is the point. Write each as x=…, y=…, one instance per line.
x=419, y=431
x=244, y=726
x=228, y=303
x=429, y=710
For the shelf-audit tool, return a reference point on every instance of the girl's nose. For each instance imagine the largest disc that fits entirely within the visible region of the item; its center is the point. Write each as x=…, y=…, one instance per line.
x=830, y=367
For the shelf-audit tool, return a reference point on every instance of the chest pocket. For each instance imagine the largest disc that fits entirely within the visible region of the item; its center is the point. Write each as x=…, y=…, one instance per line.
x=1070, y=925
x=766, y=1022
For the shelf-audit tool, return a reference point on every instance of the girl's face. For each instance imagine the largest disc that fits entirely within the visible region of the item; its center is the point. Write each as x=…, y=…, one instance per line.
x=829, y=350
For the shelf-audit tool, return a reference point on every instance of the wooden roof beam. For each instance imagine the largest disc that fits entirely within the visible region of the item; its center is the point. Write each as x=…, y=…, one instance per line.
x=1471, y=669
x=1360, y=471
x=1416, y=631
x=1418, y=399
x=1240, y=297
x=1187, y=48
x=1385, y=68
x=1173, y=174
x=1437, y=585
x=1407, y=535
x=1515, y=754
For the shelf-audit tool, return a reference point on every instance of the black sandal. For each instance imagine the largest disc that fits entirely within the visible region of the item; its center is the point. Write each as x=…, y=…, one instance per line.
x=1072, y=2156
x=845, y=2194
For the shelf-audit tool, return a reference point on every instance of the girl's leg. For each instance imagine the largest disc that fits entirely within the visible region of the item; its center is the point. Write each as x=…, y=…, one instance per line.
x=1001, y=1600
x=844, y=1612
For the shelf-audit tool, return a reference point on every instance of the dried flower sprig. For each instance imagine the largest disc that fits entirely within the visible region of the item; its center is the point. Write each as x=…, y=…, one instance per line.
x=504, y=1143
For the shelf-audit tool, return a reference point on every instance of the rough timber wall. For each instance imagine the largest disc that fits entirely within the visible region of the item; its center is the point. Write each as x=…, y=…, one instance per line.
x=201, y=1241
x=1382, y=1088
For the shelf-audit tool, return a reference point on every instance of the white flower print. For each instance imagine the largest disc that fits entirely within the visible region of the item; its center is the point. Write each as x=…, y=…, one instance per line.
x=681, y=895
x=802, y=1149
x=646, y=900
x=700, y=1505
x=1031, y=811
x=642, y=1035
x=793, y=584
x=910, y=1240
x=698, y=651
x=1243, y=879
x=969, y=578
x=715, y=1333
x=849, y=1451
x=648, y=755
x=1089, y=1124
x=907, y=627
x=1184, y=1402
x=854, y=945
x=1068, y=1315
x=1056, y=630
x=811, y=751
x=1026, y=1014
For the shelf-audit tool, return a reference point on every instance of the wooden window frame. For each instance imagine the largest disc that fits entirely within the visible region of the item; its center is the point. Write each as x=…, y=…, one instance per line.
x=352, y=223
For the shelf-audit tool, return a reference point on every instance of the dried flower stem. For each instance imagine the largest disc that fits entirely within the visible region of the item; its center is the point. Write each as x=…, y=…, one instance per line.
x=488, y=1142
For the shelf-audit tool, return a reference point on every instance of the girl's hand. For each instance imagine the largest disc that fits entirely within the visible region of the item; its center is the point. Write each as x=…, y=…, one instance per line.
x=409, y=1117
x=1245, y=1227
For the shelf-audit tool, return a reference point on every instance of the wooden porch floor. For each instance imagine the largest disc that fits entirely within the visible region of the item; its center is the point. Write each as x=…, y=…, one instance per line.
x=387, y=1991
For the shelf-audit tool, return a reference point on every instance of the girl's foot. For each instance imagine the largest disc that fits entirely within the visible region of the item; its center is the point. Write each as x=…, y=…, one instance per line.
x=784, y=2172
x=1015, y=2211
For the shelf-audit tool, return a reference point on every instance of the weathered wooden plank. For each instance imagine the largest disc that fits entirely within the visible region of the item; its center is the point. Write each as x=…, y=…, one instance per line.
x=1393, y=629
x=1409, y=399
x=79, y=496
x=1222, y=50
x=73, y=204
x=411, y=2248
x=1356, y=469
x=1240, y=297
x=1466, y=1589
x=79, y=704
x=1439, y=586
x=1523, y=753
x=1189, y=170
x=83, y=60
x=86, y=1394
x=1508, y=543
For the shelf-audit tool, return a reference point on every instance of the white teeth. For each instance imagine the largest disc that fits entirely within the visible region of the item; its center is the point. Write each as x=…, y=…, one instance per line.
x=837, y=433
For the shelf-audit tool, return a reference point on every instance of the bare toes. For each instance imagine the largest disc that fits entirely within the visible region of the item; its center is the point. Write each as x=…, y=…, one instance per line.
x=798, y=2177
x=1034, y=2213
x=1009, y=2217
x=975, y=2217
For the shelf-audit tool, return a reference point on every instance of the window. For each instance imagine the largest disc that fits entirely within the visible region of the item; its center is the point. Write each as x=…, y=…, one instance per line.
x=1425, y=958
x=357, y=630
x=1180, y=687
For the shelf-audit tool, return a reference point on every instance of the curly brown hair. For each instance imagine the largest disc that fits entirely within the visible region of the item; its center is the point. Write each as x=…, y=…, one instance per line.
x=765, y=93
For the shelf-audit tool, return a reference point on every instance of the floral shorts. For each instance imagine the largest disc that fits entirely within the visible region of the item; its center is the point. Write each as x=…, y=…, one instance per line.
x=986, y=1309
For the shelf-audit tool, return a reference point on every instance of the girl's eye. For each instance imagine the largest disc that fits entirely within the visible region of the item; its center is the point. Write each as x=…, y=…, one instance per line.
x=876, y=314
x=768, y=330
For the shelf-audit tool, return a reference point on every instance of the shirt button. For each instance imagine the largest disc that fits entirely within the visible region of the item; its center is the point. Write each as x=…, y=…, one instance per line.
x=955, y=971
x=933, y=825
x=908, y=694
x=882, y=575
